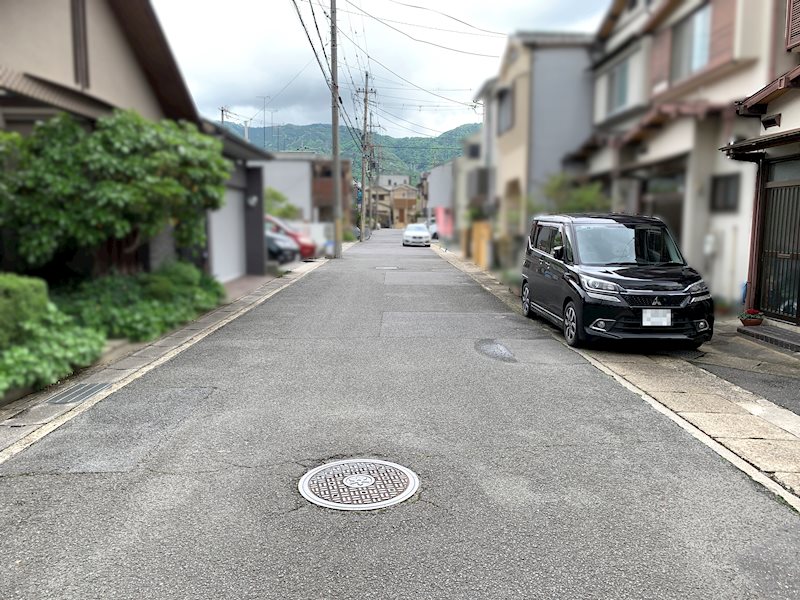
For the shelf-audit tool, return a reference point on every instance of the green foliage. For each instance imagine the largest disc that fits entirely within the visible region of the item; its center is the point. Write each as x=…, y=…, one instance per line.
x=565, y=195
x=51, y=347
x=404, y=156
x=70, y=188
x=22, y=299
x=143, y=306
x=277, y=205
x=348, y=236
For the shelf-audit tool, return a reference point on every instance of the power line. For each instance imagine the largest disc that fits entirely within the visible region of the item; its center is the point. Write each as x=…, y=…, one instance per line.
x=446, y=15
x=319, y=35
x=403, y=78
x=313, y=48
x=407, y=121
x=411, y=37
x=396, y=124
x=459, y=31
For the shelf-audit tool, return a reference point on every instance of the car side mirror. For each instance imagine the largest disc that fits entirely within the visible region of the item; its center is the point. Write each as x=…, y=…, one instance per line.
x=558, y=252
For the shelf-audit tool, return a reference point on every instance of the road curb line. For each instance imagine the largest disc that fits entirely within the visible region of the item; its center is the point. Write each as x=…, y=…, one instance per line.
x=737, y=461
x=47, y=428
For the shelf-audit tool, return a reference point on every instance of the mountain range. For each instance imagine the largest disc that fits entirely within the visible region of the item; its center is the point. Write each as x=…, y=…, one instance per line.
x=396, y=156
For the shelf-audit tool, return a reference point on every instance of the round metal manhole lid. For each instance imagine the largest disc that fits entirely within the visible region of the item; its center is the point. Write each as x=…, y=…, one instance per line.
x=358, y=484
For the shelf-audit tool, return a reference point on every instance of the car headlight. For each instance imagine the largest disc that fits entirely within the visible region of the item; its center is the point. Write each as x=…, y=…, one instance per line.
x=699, y=287
x=599, y=285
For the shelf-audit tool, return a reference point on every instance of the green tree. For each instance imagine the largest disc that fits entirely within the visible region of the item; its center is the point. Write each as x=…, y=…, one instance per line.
x=277, y=205
x=566, y=195
x=73, y=188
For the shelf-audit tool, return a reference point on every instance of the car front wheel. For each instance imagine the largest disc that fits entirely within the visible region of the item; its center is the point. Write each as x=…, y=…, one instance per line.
x=572, y=325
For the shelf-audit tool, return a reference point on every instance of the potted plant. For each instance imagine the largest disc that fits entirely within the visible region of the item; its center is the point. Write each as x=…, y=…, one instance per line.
x=751, y=316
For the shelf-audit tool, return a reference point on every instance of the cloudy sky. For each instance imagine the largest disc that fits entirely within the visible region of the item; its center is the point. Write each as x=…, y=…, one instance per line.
x=234, y=52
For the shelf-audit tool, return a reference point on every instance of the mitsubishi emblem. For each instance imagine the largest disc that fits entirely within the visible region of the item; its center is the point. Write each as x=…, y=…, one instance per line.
x=656, y=301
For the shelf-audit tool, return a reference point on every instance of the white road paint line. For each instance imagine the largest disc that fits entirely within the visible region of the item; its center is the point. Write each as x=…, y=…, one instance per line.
x=48, y=428
x=737, y=461
x=728, y=455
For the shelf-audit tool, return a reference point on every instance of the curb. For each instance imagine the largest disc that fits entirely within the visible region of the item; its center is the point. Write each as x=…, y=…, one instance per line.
x=502, y=293
x=26, y=421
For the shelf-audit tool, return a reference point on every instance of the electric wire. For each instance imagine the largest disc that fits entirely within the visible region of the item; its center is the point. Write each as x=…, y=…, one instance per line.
x=411, y=37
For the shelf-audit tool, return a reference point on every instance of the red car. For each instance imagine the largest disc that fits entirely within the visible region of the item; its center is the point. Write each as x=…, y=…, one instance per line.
x=308, y=249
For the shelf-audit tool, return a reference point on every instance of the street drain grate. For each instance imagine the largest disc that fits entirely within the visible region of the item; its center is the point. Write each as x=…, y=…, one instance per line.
x=358, y=484
x=77, y=393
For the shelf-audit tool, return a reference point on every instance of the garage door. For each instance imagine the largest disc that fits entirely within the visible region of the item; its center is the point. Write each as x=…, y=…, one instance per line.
x=226, y=238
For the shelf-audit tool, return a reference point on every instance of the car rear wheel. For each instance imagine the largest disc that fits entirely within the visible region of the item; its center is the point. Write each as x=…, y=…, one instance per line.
x=526, y=300
x=572, y=325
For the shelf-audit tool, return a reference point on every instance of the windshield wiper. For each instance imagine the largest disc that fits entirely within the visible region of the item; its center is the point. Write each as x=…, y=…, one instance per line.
x=670, y=263
x=619, y=264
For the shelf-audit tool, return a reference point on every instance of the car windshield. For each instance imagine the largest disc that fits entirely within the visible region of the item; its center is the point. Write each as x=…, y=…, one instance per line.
x=419, y=227
x=612, y=244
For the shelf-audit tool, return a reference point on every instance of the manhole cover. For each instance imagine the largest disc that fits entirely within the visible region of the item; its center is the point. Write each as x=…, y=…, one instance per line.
x=358, y=484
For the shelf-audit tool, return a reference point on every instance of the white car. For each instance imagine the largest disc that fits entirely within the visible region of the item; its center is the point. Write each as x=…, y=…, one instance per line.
x=416, y=234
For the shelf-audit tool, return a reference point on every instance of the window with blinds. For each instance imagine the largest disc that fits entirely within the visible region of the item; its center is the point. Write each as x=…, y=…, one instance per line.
x=792, y=24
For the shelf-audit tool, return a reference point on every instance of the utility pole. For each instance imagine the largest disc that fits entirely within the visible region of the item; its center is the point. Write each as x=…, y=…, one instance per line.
x=337, y=166
x=222, y=115
x=264, y=120
x=364, y=159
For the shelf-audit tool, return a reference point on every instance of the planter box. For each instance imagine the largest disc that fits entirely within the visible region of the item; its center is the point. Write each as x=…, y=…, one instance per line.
x=751, y=322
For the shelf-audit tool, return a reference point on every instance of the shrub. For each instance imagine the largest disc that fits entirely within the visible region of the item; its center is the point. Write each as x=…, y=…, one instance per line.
x=22, y=299
x=143, y=306
x=51, y=347
x=348, y=236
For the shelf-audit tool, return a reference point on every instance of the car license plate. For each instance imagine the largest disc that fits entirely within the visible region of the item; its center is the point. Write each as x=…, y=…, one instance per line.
x=656, y=317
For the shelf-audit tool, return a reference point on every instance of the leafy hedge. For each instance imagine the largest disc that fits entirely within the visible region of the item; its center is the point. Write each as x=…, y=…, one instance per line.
x=143, y=306
x=21, y=299
x=39, y=344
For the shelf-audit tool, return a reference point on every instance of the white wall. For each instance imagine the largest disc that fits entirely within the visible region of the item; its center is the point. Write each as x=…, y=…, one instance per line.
x=292, y=178
x=440, y=186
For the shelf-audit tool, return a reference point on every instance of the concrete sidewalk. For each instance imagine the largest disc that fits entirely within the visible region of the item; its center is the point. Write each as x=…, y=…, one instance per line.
x=32, y=417
x=755, y=428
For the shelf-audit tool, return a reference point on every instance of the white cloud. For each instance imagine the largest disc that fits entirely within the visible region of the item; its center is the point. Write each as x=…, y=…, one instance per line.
x=230, y=53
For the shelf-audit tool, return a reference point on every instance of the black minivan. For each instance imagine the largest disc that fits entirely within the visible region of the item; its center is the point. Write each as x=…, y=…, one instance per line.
x=614, y=277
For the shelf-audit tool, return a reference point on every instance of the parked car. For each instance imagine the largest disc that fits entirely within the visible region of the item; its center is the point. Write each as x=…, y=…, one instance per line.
x=308, y=249
x=434, y=230
x=416, y=234
x=280, y=247
x=613, y=277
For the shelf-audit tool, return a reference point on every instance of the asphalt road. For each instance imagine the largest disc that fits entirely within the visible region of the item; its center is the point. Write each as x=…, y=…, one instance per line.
x=540, y=478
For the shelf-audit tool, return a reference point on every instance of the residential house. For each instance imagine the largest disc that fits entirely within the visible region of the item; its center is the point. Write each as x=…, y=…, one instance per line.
x=465, y=167
x=405, y=204
x=482, y=185
x=440, y=198
x=664, y=86
x=290, y=173
x=392, y=181
x=87, y=58
x=542, y=95
x=380, y=199
x=322, y=190
x=773, y=148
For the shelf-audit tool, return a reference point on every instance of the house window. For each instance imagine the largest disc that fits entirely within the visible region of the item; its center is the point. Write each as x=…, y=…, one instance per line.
x=618, y=87
x=505, y=110
x=691, y=44
x=792, y=24
x=80, y=52
x=725, y=193
x=474, y=151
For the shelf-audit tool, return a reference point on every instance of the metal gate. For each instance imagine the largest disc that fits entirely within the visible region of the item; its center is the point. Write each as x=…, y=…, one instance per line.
x=779, y=273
